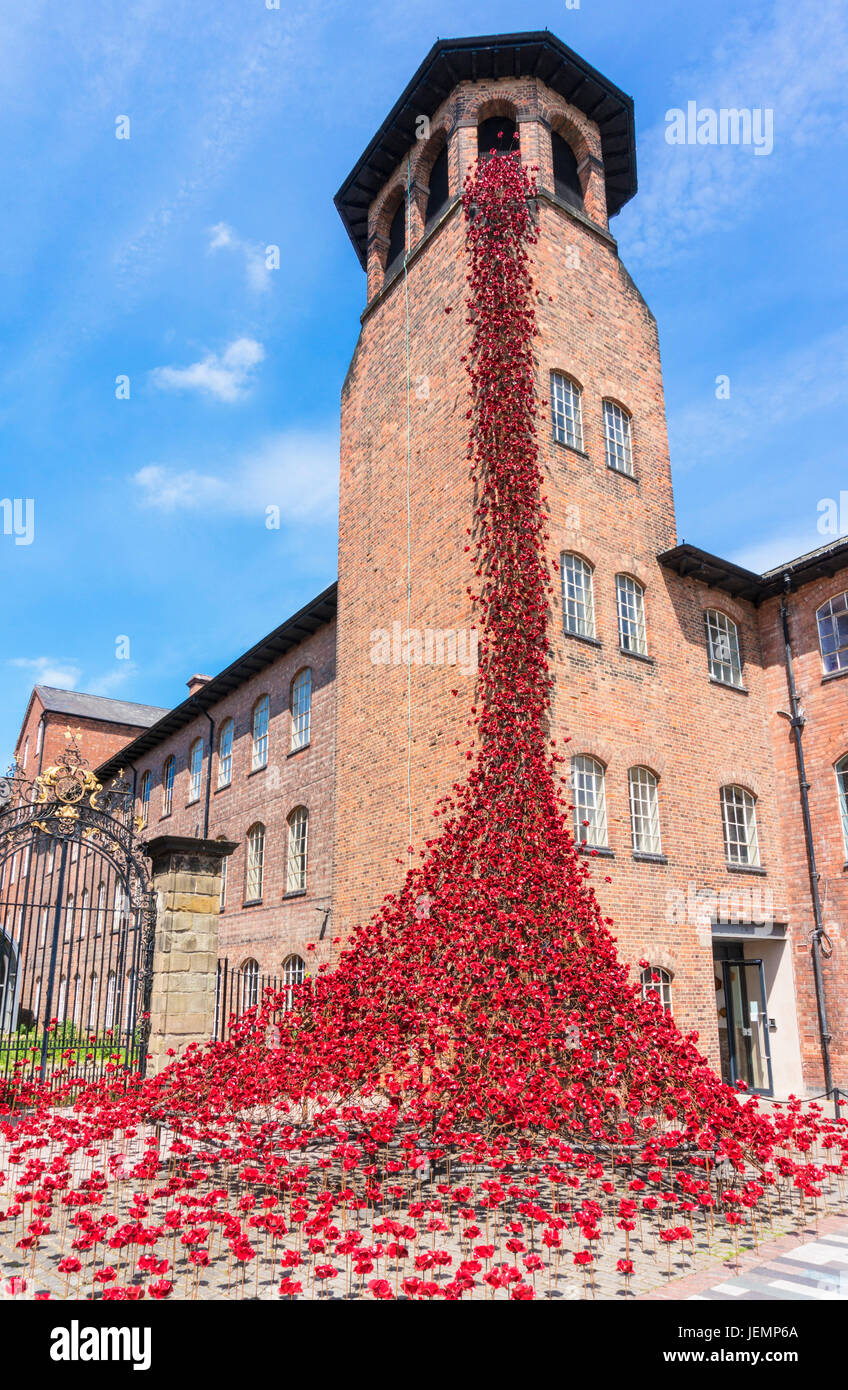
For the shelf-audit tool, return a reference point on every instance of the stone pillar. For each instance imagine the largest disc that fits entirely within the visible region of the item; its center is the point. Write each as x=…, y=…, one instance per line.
x=187, y=888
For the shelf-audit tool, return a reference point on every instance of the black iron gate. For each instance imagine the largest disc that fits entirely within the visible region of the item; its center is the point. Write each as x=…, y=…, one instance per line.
x=76, y=925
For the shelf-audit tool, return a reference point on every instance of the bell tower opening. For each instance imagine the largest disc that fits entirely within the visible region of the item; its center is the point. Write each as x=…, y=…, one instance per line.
x=439, y=185
x=566, y=178
x=397, y=239
x=497, y=135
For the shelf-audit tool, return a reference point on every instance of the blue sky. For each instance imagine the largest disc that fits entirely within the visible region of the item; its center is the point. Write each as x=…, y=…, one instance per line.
x=143, y=257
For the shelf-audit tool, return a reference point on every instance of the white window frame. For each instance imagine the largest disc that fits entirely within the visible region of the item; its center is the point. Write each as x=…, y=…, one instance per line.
x=841, y=770
x=644, y=810
x=723, y=654
x=578, y=595
x=566, y=410
x=618, y=438
x=294, y=973
x=101, y=909
x=168, y=774
x=661, y=987
x=301, y=709
x=588, y=793
x=739, y=819
x=832, y=625
x=254, y=867
x=248, y=985
x=259, y=725
x=297, y=849
x=225, y=752
x=630, y=603
x=195, y=770
x=144, y=799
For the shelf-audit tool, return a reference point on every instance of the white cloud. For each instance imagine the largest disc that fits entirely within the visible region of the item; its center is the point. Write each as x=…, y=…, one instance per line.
x=779, y=549
x=794, y=61
x=110, y=681
x=227, y=377
x=48, y=670
x=295, y=470
x=222, y=237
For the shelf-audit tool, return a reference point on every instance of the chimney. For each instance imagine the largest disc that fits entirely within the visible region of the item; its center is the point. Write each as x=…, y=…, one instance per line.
x=196, y=683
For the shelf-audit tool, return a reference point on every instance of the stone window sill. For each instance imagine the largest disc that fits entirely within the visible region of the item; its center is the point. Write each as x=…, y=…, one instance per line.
x=224, y=787
x=295, y=893
x=252, y=902
x=572, y=448
x=621, y=473
x=728, y=685
x=643, y=857
x=293, y=752
x=166, y=815
x=834, y=676
x=638, y=656
x=747, y=869
x=599, y=851
x=254, y=771
x=579, y=637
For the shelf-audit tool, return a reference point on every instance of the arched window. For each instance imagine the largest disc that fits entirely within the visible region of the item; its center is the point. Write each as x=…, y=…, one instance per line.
x=62, y=999
x=301, y=708
x=617, y=436
x=168, y=786
x=294, y=973
x=39, y=737
x=723, y=648
x=630, y=598
x=566, y=411
x=121, y=917
x=842, y=786
x=255, y=863
x=45, y=923
x=644, y=811
x=397, y=239
x=101, y=909
x=129, y=1004
x=109, y=1013
x=590, y=805
x=70, y=903
x=94, y=982
x=84, y=913
x=566, y=178
x=36, y=1003
x=195, y=769
x=261, y=712
x=75, y=1008
x=225, y=754
x=439, y=190
x=26, y=751
x=144, y=799
x=578, y=603
x=832, y=619
x=249, y=985
x=298, y=823
x=497, y=135
x=739, y=814
x=656, y=984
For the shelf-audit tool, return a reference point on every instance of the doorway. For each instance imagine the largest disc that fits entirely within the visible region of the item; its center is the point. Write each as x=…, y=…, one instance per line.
x=743, y=1020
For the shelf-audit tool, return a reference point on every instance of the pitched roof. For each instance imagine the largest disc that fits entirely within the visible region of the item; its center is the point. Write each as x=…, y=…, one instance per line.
x=451, y=61
x=288, y=635
x=687, y=559
x=82, y=706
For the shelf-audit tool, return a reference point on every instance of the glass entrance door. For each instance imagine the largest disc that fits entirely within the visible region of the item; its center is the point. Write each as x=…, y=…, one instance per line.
x=747, y=1024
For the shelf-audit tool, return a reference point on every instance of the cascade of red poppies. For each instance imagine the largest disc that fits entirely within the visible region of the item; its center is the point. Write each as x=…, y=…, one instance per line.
x=479, y=1025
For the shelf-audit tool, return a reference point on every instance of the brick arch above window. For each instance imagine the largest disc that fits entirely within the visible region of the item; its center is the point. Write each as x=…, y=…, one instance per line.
x=731, y=775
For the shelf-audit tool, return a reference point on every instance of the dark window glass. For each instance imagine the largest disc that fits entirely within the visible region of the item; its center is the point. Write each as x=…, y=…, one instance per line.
x=497, y=135
x=566, y=178
x=397, y=237
x=439, y=190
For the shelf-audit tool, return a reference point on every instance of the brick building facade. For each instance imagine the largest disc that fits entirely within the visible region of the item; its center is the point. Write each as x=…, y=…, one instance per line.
x=670, y=664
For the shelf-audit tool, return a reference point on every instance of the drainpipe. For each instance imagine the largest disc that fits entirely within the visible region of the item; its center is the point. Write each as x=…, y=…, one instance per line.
x=198, y=705
x=797, y=722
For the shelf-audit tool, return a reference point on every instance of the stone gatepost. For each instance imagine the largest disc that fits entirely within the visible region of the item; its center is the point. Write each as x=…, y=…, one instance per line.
x=187, y=889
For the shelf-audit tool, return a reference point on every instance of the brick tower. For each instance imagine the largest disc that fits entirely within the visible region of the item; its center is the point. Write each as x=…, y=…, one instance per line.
x=631, y=701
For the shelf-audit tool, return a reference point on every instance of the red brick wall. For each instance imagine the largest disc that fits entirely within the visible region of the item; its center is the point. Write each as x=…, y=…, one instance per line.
x=595, y=326
x=280, y=925
x=824, y=702
x=97, y=740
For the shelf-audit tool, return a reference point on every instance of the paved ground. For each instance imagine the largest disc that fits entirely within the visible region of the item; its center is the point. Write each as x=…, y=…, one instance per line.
x=789, y=1269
